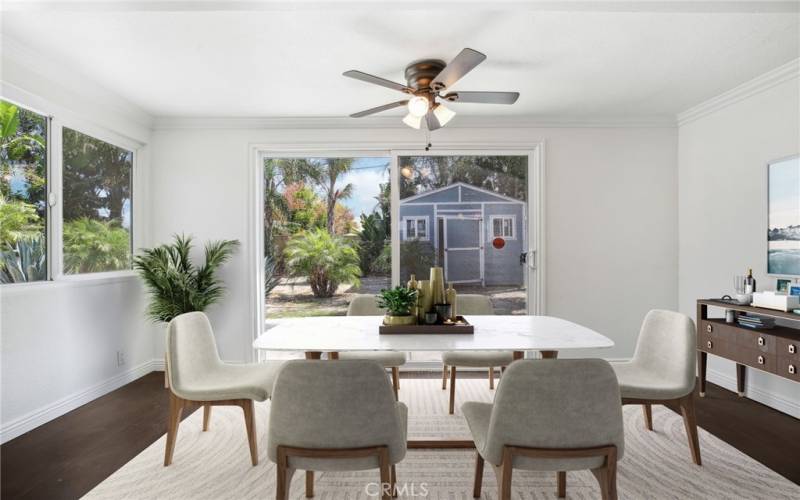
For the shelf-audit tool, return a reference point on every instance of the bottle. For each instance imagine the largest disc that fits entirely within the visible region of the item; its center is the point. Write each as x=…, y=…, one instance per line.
x=749, y=282
x=451, y=298
x=413, y=285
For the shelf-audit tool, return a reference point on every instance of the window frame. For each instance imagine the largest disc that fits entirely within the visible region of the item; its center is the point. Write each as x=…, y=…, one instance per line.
x=57, y=119
x=416, y=219
x=510, y=217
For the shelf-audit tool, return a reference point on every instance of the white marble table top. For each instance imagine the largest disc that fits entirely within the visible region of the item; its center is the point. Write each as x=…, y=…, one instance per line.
x=360, y=333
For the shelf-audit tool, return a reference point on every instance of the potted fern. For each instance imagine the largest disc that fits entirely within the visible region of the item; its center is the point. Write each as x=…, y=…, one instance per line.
x=399, y=303
x=176, y=285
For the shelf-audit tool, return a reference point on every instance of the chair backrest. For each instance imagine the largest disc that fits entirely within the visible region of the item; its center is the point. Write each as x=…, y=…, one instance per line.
x=474, y=304
x=571, y=403
x=334, y=404
x=364, y=305
x=667, y=346
x=191, y=349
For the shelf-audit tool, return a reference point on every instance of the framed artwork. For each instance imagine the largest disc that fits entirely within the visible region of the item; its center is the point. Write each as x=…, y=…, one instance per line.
x=783, y=226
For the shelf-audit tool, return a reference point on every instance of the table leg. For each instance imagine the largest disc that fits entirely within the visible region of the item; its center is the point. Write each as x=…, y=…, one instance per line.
x=549, y=354
x=313, y=354
x=518, y=355
x=741, y=379
x=702, y=360
x=333, y=355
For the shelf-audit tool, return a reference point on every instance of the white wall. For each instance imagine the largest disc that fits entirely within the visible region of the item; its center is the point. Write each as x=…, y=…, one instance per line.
x=611, y=216
x=723, y=206
x=60, y=339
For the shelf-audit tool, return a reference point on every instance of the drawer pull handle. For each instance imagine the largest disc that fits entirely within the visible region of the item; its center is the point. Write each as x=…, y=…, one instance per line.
x=709, y=328
x=761, y=341
x=792, y=369
x=761, y=360
x=710, y=344
x=792, y=349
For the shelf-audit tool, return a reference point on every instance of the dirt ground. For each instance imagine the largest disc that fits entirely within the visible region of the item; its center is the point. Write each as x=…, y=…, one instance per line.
x=293, y=297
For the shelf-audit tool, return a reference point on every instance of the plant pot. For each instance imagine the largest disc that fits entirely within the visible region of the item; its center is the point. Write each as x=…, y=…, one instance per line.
x=408, y=319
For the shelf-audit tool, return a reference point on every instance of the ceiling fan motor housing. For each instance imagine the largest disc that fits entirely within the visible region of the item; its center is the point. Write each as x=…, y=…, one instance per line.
x=420, y=74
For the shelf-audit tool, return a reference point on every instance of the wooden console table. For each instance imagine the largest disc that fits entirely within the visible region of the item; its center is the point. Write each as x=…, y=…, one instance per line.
x=773, y=350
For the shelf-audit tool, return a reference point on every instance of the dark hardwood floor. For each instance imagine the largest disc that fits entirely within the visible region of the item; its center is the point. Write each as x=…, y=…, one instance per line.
x=67, y=457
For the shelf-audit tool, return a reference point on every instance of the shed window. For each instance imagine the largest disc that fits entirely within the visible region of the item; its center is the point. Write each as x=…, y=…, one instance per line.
x=416, y=228
x=503, y=227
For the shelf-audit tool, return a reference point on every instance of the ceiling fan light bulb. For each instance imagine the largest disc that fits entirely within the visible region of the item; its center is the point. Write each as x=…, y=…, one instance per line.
x=418, y=106
x=443, y=114
x=413, y=121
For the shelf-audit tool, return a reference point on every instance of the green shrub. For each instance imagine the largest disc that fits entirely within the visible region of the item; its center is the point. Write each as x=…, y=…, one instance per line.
x=92, y=246
x=374, y=234
x=18, y=220
x=325, y=260
x=382, y=265
x=25, y=261
x=416, y=257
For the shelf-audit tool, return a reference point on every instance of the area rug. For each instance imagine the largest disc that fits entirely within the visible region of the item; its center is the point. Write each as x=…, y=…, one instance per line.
x=216, y=464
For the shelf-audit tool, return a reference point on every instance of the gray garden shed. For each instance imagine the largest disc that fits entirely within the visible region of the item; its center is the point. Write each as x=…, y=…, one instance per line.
x=461, y=222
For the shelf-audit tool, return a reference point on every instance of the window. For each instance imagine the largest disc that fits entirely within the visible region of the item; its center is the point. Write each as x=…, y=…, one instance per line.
x=96, y=204
x=416, y=228
x=503, y=227
x=23, y=195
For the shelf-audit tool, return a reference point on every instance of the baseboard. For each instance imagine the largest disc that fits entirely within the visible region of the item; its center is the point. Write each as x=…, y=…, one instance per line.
x=31, y=420
x=767, y=398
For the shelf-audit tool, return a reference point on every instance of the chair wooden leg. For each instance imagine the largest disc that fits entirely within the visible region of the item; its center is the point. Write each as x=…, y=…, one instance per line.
x=386, y=474
x=690, y=423
x=309, y=484
x=173, y=422
x=476, y=487
x=250, y=423
x=648, y=416
x=444, y=377
x=607, y=477
x=503, y=473
x=562, y=484
x=491, y=377
x=396, y=382
x=602, y=479
x=206, y=416
x=452, y=389
x=284, y=480
x=393, y=481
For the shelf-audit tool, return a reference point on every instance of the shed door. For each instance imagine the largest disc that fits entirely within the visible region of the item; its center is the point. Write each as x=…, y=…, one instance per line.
x=463, y=249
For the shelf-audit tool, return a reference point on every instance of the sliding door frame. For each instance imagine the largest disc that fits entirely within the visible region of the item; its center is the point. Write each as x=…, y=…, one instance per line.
x=535, y=151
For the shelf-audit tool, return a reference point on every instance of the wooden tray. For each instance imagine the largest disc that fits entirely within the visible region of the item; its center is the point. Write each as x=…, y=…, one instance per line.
x=427, y=329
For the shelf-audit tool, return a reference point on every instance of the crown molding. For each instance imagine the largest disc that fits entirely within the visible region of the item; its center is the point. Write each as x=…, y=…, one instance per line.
x=394, y=122
x=781, y=74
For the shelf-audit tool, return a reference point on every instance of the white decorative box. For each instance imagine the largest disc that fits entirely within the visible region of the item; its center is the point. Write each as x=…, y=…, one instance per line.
x=773, y=300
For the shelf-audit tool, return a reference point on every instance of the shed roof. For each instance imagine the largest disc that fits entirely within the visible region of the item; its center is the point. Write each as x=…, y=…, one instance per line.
x=460, y=186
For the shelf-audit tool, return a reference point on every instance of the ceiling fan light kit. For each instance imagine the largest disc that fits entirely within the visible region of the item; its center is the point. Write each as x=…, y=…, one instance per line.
x=426, y=80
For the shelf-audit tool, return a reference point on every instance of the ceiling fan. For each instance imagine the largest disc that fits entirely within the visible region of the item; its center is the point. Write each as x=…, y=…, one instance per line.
x=427, y=79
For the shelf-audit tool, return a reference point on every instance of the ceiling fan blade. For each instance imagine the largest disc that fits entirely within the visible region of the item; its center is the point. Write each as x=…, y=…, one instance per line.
x=378, y=109
x=463, y=63
x=364, y=77
x=483, y=97
x=431, y=121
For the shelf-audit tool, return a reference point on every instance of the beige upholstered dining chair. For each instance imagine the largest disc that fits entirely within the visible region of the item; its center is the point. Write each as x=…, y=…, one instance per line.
x=663, y=369
x=335, y=416
x=476, y=305
x=197, y=375
x=366, y=305
x=550, y=415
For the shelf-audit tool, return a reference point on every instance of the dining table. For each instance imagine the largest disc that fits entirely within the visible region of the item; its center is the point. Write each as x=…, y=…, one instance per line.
x=520, y=334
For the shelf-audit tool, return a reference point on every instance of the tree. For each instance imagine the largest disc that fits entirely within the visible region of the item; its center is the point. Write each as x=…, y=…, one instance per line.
x=279, y=173
x=93, y=246
x=23, y=158
x=325, y=174
x=326, y=260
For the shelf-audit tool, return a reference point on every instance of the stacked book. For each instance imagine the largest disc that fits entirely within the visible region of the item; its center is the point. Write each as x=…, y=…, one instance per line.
x=756, y=322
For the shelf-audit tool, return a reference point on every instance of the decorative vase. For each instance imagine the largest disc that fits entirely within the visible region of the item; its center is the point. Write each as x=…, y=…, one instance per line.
x=414, y=285
x=408, y=319
x=437, y=285
x=424, y=299
x=451, y=298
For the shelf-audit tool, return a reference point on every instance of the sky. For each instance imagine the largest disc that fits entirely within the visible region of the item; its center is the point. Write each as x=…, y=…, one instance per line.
x=366, y=175
x=784, y=193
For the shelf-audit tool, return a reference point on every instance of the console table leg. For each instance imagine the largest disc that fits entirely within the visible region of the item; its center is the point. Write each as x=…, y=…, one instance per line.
x=549, y=354
x=313, y=354
x=741, y=378
x=701, y=371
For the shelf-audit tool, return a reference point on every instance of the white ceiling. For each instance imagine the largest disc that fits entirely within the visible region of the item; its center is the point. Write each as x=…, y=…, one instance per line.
x=288, y=62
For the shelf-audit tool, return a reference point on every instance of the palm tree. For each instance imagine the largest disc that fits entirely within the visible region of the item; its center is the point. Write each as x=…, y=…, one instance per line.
x=325, y=175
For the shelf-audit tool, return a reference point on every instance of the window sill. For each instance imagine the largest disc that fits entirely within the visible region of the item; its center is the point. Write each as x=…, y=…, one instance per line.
x=72, y=281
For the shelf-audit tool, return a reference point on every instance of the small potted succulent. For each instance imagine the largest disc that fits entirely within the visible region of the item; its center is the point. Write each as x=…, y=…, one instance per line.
x=399, y=303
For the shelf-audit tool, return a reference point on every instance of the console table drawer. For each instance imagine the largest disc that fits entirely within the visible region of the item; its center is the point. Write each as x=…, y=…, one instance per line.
x=752, y=357
x=720, y=331
x=789, y=368
x=789, y=348
x=757, y=340
x=711, y=345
